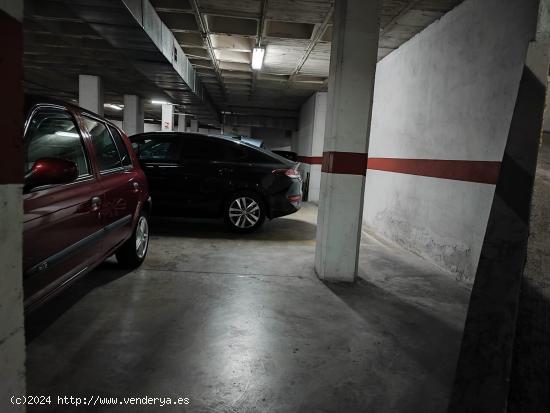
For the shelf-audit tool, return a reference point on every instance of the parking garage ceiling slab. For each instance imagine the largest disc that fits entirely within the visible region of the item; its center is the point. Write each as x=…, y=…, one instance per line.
x=217, y=36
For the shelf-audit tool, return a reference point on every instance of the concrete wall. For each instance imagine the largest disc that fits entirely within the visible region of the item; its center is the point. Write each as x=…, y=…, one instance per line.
x=147, y=127
x=273, y=138
x=310, y=139
x=546, y=124
x=447, y=94
x=151, y=127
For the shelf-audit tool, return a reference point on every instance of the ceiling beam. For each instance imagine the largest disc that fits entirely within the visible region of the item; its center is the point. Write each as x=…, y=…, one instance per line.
x=401, y=13
x=206, y=38
x=320, y=30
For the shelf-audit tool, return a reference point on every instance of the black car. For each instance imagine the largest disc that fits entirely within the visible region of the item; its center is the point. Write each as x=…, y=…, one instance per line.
x=293, y=156
x=199, y=175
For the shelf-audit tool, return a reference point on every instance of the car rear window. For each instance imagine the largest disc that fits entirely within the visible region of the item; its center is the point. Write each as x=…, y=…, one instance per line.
x=202, y=149
x=155, y=148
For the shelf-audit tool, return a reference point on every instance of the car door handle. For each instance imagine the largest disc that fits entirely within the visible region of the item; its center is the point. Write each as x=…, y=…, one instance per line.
x=96, y=203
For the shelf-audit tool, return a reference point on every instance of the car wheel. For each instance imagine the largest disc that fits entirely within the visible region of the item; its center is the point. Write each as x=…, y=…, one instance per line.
x=132, y=253
x=244, y=212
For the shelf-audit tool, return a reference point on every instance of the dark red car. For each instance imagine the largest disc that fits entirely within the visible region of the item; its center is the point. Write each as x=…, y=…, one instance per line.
x=85, y=198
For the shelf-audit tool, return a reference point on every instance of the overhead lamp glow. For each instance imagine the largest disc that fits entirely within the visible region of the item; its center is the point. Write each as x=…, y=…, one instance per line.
x=160, y=102
x=257, y=58
x=67, y=134
x=114, y=107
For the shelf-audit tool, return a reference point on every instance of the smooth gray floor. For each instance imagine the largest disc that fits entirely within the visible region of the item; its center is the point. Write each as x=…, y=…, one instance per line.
x=242, y=324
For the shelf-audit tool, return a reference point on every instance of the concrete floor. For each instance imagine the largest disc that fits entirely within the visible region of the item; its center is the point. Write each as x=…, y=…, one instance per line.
x=242, y=324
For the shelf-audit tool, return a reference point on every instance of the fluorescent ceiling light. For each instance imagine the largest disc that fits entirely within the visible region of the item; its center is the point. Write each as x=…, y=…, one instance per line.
x=257, y=58
x=115, y=107
x=160, y=102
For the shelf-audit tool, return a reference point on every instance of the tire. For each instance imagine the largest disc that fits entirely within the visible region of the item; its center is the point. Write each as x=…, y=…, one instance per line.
x=244, y=212
x=132, y=253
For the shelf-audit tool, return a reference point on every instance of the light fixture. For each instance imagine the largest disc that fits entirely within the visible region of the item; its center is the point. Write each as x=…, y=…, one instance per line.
x=257, y=58
x=112, y=106
x=160, y=102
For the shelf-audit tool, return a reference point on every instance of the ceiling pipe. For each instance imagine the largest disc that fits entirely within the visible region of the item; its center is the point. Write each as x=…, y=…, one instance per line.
x=320, y=30
x=205, y=35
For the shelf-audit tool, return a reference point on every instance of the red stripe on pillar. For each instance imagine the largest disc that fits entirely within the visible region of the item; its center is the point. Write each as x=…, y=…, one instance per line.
x=311, y=160
x=11, y=99
x=347, y=163
x=485, y=172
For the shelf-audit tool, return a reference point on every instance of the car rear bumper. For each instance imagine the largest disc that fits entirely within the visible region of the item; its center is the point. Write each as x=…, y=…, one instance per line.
x=288, y=202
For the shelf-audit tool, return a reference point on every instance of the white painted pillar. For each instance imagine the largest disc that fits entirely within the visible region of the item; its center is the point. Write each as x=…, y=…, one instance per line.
x=317, y=142
x=90, y=93
x=350, y=94
x=12, y=340
x=132, y=122
x=194, y=125
x=182, y=122
x=167, y=118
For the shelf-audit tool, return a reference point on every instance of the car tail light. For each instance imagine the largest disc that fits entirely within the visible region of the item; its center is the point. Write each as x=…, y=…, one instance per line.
x=295, y=200
x=291, y=173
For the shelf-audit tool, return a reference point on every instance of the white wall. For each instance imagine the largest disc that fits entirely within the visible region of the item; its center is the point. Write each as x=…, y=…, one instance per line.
x=116, y=122
x=273, y=138
x=449, y=93
x=151, y=127
x=147, y=127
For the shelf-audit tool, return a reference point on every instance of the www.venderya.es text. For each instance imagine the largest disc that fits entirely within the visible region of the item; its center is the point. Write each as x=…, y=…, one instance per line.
x=95, y=400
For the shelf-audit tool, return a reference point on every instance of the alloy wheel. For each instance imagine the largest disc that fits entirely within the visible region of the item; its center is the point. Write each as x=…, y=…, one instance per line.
x=142, y=237
x=244, y=212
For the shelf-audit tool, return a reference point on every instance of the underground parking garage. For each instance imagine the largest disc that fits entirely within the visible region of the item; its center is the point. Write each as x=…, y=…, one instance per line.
x=275, y=206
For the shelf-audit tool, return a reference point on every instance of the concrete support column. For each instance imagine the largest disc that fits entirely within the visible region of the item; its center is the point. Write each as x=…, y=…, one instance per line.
x=503, y=363
x=351, y=88
x=12, y=340
x=132, y=122
x=182, y=123
x=90, y=93
x=309, y=143
x=194, y=125
x=167, y=118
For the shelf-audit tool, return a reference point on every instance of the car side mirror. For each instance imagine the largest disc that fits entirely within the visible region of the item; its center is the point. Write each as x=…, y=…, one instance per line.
x=51, y=171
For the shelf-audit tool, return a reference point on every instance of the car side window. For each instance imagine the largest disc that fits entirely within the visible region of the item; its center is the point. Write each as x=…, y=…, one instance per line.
x=105, y=149
x=122, y=150
x=234, y=152
x=53, y=133
x=156, y=148
x=255, y=156
x=202, y=150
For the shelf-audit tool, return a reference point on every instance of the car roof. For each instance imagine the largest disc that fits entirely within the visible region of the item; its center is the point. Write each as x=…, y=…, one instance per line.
x=218, y=137
x=33, y=100
x=195, y=135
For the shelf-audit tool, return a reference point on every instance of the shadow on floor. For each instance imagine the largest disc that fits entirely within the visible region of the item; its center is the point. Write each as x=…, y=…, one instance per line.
x=279, y=229
x=44, y=316
x=418, y=332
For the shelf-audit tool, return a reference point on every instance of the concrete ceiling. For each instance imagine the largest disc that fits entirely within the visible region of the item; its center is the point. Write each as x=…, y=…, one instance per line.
x=217, y=36
x=296, y=35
